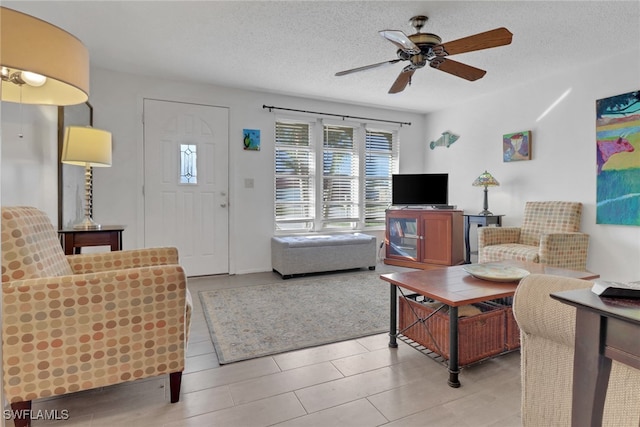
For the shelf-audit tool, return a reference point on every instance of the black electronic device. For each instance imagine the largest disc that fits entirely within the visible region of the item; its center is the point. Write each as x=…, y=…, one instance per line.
x=609, y=289
x=425, y=189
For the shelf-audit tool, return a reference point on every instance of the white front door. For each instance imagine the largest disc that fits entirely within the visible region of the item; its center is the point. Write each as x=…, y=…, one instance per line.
x=186, y=183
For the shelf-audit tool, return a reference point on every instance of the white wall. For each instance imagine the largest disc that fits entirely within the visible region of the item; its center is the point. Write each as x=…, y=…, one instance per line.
x=30, y=164
x=117, y=101
x=563, y=166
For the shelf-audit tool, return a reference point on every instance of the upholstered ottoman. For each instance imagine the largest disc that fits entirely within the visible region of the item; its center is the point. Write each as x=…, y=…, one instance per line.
x=312, y=254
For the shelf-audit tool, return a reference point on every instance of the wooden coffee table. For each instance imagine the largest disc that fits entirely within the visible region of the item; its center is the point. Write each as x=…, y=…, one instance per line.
x=455, y=287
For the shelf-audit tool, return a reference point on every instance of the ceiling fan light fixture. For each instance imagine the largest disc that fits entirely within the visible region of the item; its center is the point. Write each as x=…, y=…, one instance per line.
x=427, y=39
x=418, y=61
x=418, y=21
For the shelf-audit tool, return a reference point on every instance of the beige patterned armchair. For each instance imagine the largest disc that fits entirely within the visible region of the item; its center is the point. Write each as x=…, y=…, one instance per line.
x=77, y=322
x=550, y=234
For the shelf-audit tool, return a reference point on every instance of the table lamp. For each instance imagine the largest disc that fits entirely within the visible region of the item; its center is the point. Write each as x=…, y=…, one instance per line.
x=88, y=147
x=485, y=180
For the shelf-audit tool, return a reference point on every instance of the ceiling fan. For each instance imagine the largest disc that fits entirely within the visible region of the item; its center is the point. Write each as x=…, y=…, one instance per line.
x=421, y=49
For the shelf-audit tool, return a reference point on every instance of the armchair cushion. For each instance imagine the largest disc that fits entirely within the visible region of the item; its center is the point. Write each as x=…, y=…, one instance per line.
x=30, y=246
x=549, y=217
x=514, y=251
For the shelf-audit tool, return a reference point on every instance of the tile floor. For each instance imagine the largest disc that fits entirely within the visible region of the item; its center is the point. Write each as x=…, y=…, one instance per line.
x=359, y=383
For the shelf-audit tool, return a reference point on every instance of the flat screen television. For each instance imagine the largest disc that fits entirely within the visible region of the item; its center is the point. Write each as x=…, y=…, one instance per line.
x=431, y=189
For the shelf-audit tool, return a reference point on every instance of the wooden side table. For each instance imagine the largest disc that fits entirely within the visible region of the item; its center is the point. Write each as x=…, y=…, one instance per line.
x=606, y=329
x=108, y=235
x=481, y=220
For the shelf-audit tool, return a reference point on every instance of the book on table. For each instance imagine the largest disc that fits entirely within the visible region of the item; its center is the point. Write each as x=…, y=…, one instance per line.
x=605, y=288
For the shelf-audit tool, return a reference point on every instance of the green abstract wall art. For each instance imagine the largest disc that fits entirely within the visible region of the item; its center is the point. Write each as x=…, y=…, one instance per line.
x=251, y=139
x=618, y=159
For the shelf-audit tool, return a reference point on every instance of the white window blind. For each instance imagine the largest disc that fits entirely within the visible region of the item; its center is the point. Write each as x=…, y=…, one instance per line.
x=381, y=154
x=344, y=183
x=340, y=178
x=294, y=176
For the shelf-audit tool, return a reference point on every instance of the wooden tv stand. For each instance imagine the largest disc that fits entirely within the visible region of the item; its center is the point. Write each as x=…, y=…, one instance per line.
x=424, y=238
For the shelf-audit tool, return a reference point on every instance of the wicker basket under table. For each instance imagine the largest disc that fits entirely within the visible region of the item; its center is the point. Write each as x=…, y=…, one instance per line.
x=513, y=331
x=512, y=338
x=479, y=336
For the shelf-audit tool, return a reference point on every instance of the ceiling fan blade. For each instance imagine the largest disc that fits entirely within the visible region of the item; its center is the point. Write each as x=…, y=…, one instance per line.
x=488, y=39
x=402, y=81
x=401, y=40
x=457, y=68
x=367, y=67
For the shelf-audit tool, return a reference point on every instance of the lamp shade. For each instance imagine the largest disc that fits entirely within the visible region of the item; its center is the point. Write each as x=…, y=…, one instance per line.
x=486, y=180
x=28, y=44
x=86, y=146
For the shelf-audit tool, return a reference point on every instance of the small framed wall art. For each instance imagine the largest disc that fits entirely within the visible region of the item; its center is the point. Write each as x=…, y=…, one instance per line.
x=251, y=139
x=516, y=146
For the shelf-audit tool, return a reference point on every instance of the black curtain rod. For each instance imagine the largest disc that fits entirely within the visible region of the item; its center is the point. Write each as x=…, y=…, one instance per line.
x=271, y=107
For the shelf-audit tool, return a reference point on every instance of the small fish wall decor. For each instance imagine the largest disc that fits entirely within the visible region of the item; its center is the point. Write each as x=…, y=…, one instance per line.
x=445, y=140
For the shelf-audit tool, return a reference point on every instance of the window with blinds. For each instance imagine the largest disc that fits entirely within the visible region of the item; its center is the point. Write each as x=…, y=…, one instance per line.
x=381, y=154
x=294, y=177
x=342, y=184
x=340, y=178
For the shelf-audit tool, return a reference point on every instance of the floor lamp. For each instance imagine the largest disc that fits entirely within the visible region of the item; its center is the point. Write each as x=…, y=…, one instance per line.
x=88, y=147
x=41, y=63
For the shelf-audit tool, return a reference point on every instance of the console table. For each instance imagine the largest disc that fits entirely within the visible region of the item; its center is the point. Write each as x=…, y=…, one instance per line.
x=606, y=329
x=423, y=238
x=108, y=235
x=481, y=220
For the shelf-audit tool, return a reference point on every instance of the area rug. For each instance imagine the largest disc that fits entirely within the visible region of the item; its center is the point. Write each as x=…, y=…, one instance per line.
x=254, y=321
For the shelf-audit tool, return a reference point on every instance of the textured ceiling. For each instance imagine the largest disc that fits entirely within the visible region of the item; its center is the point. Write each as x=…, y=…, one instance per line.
x=296, y=47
